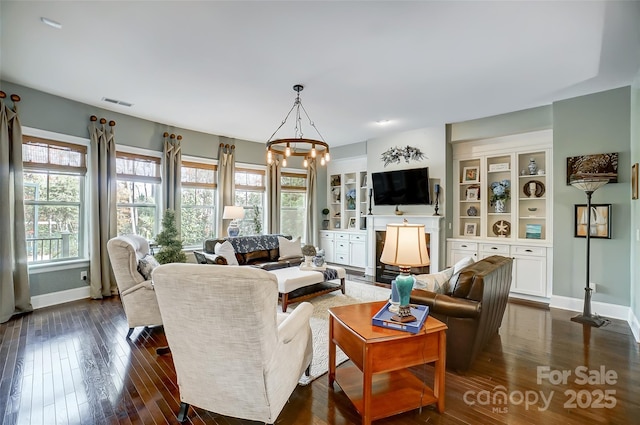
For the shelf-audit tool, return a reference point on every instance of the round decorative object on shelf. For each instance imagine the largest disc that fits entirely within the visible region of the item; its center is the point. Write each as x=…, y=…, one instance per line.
x=472, y=211
x=502, y=228
x=528, y=188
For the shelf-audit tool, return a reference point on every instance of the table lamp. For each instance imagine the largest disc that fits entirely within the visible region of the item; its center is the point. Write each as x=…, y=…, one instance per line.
x=233, y=213
x=405, y=246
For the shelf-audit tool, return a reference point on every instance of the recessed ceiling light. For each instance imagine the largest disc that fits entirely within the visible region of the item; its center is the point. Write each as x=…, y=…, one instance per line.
x=51, y=23
x=383, y=122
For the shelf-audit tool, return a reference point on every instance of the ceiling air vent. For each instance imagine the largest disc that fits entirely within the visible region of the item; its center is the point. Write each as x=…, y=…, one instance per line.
x=117, y=102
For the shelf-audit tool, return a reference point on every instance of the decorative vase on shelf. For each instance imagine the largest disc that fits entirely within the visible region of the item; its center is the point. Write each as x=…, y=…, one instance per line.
x=499, y=205
x=472, y=211
x=533, y=167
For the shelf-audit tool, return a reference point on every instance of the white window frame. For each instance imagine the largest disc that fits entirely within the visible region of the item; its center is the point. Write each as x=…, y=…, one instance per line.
x=85, y=208
x=262, y=169
x=211, y=163
x=304, y=237
x=151, y=153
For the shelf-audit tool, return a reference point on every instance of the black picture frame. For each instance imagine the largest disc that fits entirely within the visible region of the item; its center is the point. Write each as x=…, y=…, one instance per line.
x=600, y=222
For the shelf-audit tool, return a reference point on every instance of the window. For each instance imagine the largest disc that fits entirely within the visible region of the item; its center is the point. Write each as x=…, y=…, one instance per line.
x=138, y=194
x=198, y=220
x=54, y=201
x=293, y=204
x=250, y=190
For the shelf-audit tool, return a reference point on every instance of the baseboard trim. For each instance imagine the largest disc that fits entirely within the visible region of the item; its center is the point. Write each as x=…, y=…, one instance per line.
x=614, y=311
x=54, y=298
x=635, y=325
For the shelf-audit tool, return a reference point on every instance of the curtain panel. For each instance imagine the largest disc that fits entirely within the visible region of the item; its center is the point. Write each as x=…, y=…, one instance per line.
x=15, y=296
x=312, y=205
x=274, y=173
x=103, y=224
x=226, y=183
x=171, y=175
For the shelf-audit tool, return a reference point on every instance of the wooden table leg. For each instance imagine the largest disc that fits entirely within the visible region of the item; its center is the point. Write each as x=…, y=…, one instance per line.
x=440, y=367
x=332, y=353
x=366, y=391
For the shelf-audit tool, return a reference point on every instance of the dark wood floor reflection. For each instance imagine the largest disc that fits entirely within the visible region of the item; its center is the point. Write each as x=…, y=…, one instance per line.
x=71, y=364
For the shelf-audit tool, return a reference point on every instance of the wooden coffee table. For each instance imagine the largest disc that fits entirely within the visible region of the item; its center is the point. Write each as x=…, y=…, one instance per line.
x=380, y=385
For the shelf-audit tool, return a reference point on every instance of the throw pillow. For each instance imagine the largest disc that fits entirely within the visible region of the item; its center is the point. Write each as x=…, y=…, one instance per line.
x=146, y=265
x=433, y=282
x=226, y=250
x=289, y=249
x=466, y=261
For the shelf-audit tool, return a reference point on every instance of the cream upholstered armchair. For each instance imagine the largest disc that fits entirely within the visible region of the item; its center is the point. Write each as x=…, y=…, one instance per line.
x=136, y=292
x=234, y=354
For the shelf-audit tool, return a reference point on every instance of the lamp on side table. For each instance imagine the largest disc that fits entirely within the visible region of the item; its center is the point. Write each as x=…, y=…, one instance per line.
x=405, y=246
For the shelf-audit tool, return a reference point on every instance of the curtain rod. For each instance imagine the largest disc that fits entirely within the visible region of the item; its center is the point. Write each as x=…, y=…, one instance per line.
x=13, y=97
x=103, y=121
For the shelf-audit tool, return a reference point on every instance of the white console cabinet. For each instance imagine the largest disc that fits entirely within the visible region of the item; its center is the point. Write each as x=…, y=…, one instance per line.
x=346, y=247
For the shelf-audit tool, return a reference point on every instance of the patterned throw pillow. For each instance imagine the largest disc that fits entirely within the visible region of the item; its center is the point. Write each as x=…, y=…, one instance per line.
x=146, y=265
x=226, y=250
x=433, y=282
x=289, y=249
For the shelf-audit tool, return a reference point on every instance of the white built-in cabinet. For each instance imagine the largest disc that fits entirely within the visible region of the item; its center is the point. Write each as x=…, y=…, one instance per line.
x=345, y=241
x=522, y=229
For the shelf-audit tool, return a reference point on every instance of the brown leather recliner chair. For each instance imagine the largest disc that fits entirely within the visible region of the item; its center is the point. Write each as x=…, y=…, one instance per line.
x=472, y=306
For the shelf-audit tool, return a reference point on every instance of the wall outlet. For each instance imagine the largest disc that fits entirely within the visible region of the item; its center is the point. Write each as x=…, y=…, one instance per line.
x=83, y=275
x=593, y=287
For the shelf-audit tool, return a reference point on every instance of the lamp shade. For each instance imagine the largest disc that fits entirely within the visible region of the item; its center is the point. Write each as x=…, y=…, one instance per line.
x=589, y=185
x=233, y=213
x=405, y=245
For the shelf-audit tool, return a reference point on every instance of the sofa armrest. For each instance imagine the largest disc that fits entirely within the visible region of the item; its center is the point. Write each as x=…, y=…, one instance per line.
x=295, y=322
x=206, y=258
x=446, y=305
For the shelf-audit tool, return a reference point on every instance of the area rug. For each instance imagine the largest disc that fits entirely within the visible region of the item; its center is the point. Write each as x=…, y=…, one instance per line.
x=356, y=292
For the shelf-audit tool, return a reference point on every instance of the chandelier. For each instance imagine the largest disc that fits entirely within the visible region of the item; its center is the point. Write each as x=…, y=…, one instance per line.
x=310, y=149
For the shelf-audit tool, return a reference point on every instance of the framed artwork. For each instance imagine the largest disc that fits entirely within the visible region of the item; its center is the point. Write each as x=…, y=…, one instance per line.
x=634, y=181
x=470, y=229
x=472, y=193
x=470, y=175
x=337, y=225
x=600, y=226
x=352, y=223
x=598, y=165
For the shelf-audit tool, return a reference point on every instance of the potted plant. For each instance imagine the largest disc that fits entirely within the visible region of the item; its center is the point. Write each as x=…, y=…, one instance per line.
x=309, y=251
x=171, y=251
x=325, y=222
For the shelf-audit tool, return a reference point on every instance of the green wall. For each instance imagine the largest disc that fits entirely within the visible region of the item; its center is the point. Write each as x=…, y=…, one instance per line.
x=53, y=113
x=596, y=123
x=635, y=204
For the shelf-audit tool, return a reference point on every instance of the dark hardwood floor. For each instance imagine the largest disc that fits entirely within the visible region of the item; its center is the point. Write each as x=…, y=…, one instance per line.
x=71, y=364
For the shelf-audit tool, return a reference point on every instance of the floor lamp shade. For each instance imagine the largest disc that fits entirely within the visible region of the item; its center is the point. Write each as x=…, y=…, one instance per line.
x=405, y=246
x=233, y=213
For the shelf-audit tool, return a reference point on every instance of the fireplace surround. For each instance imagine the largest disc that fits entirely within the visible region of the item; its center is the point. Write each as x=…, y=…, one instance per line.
x=378, y=223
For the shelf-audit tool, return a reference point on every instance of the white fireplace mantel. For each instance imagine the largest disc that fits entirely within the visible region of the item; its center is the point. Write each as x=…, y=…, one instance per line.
x=432, y=226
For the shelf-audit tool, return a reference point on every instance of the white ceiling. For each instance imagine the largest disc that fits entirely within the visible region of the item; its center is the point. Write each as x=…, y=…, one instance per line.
x=228, y=68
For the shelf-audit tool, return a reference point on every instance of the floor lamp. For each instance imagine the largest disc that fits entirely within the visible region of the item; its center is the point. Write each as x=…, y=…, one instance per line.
x=588, y=186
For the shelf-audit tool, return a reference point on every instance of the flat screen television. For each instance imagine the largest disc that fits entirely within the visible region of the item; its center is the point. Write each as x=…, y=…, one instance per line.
x=401, y=187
